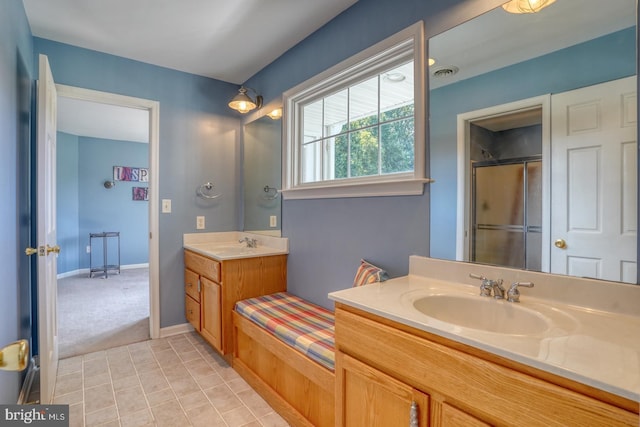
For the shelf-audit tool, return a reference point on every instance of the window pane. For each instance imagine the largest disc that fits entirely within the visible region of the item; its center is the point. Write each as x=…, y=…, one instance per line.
x=363, y=104
x=311, y=159
x=396, y=93
x=364, y=152
x=397, y=146
x=312, y=121
x=335, y=112
x=340, y=157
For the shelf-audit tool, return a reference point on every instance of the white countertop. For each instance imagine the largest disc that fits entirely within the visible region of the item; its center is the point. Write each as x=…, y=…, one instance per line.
x=595, y=347
x=225, y=245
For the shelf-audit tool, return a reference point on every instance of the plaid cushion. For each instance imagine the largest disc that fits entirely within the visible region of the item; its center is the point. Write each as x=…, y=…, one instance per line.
x=304, y=326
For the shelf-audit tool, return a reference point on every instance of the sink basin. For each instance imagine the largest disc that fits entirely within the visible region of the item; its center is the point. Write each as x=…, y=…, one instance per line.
x=481, y=313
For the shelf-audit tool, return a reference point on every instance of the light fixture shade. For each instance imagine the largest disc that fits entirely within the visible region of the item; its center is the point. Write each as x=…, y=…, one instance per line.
x=243, y=102
x=275, y=114
x=526, y=6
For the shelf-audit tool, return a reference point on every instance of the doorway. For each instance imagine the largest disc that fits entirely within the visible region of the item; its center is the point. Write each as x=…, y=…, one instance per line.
x=503, y=185
x=100, y=197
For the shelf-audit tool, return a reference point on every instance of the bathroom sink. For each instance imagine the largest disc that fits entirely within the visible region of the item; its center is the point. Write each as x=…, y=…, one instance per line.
x=482, y=313
x=230, y=249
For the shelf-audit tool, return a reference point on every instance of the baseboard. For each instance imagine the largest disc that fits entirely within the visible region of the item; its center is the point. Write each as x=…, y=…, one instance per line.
x=86, y=270
x=175, y=330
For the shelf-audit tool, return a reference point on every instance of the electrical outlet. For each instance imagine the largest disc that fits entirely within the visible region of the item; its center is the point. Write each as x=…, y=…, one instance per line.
x=200, y=222
x=273, y=221
x=166, y=205
x=88, y=249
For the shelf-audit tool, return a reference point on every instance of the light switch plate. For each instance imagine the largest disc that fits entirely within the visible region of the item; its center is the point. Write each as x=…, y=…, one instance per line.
x=200, y=222
x=273, y=221
x=166, y=205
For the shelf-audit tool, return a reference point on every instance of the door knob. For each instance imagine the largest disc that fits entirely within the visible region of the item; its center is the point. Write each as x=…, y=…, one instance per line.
x=31, y=251
x=560, y=243
x=14, y=356
x=55, y=249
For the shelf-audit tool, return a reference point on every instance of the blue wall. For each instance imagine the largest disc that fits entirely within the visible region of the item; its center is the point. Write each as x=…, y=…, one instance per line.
x=86, y=206
x=67, y=194
x=16, y=66
x=199, y=142
x=560, y=71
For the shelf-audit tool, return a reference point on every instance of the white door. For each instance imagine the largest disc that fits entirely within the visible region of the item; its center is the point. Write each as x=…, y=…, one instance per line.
x=593, y=176
x=47, y=247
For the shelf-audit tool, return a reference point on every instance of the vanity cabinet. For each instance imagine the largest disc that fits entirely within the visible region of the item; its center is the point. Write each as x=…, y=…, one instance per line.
x=380, y=362
x=213, y=287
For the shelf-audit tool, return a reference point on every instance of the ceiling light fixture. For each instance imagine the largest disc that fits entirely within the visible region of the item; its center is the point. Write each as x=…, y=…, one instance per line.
x=275, y=114
x=243, y=103
x=526, y=6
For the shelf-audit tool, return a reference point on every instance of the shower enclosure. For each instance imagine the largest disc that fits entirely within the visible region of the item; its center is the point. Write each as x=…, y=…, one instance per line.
x=507, y=212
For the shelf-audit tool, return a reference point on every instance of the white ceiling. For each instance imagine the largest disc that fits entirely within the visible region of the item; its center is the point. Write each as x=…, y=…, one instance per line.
x=228, y=40
x=498, y=39
x=87, y=118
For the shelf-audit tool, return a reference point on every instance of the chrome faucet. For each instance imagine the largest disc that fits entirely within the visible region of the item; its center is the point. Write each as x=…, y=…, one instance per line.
x=251, y=243
x=488, y=285
x=513, y=295
x=498, y=290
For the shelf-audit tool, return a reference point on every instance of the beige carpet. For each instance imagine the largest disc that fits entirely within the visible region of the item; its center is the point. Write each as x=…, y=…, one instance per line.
x=97, y=314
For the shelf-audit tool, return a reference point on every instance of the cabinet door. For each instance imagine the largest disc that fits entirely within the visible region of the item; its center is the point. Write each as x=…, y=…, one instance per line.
x=210, y=324
x=368, y=397
x=454, y=417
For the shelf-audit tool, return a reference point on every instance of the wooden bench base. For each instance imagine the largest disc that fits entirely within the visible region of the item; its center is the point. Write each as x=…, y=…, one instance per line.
x=299, y=389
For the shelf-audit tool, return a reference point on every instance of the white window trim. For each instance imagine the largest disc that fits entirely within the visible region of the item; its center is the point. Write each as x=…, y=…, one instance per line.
x=391, y=185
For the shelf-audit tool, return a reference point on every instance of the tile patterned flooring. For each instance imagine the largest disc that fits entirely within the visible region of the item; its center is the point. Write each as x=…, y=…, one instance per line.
x=176, y=381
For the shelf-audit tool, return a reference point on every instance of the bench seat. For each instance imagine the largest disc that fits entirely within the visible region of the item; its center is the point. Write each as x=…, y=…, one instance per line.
x=304, y=326
x=284, y=348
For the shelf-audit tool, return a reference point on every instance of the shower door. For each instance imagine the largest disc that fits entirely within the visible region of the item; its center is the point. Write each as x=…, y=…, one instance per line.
x=507, y=213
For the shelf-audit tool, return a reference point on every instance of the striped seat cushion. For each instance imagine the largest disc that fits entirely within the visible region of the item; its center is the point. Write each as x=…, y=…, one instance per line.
x=302, y=325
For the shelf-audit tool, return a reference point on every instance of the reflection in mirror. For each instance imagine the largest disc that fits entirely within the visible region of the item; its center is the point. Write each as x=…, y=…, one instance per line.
x=262, y=175
x=533, y=145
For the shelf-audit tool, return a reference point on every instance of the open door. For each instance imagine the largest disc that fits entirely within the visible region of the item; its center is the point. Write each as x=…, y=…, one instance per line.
x=46, y=232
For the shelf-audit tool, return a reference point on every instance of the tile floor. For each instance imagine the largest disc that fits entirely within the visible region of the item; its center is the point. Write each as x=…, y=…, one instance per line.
x=176, y=381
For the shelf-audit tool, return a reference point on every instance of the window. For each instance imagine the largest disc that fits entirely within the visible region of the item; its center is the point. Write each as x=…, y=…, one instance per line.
x=358, y=128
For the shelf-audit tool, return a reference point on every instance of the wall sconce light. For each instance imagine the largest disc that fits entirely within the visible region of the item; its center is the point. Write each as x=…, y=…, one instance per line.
x=275, y=114
x=109, y=184
x=243, y=103
x=526, y=6
x=14, y=356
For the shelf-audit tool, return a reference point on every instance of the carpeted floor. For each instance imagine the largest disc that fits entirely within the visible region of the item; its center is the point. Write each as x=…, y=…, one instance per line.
x=97, y=314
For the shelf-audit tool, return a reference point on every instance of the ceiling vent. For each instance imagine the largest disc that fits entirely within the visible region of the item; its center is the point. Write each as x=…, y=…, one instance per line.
x=446, y=71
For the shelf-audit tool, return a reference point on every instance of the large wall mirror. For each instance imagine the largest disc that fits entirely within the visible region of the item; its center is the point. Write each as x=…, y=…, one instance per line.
x=533, y=126
x=262, y=175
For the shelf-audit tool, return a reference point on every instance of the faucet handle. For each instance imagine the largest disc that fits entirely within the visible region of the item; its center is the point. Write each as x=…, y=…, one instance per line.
x=486, y=286
x=513, y=295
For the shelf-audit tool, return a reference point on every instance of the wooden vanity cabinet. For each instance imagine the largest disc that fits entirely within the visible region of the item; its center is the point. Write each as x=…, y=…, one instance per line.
x=380, y=362
x=212, y=288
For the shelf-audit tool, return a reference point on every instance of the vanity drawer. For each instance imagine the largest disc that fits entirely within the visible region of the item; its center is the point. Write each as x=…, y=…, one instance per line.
x=192, y=311
x=202, y=265
x=191, y=281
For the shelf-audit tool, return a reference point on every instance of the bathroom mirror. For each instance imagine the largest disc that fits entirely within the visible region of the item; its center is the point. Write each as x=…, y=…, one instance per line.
x=262, y=175
x=533, y=147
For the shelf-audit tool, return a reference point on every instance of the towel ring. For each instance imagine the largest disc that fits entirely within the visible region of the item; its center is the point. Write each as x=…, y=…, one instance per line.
x=268, y=190
x=204, y=191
